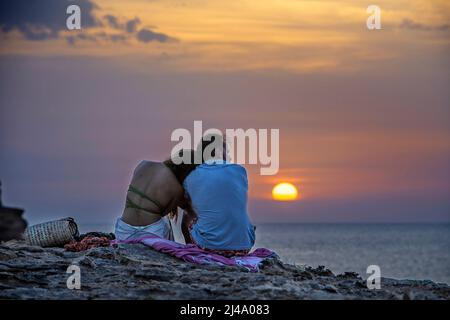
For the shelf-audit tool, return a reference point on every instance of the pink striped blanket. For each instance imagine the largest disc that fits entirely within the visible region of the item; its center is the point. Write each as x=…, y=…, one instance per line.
x=192, y=253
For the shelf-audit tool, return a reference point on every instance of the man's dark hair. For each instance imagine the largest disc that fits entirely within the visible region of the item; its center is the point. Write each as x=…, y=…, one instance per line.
x=210, y=139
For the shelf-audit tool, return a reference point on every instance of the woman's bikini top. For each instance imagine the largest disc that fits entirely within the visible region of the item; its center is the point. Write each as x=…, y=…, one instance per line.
x=130, y=204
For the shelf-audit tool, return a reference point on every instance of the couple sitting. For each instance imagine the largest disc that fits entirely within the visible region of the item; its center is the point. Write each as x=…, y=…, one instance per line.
x=212, y=194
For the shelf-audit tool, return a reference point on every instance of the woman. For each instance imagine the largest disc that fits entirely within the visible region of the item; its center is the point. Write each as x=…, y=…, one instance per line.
x=155, y=191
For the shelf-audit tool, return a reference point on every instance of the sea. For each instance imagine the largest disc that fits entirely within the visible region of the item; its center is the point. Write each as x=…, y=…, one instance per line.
x=401, y=251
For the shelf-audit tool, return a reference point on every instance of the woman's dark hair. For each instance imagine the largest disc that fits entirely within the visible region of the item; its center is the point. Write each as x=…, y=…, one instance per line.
x=181, y=169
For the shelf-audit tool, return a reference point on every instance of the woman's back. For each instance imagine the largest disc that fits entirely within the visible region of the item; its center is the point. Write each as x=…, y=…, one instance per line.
x=153, y=192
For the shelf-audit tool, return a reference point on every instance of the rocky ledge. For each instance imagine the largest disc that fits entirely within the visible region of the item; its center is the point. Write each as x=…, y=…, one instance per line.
x=138, y=272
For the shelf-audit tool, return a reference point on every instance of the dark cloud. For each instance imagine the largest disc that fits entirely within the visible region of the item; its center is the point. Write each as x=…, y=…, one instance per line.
x=84, y=36
x=113, y=21
x=45, y=19
x=413, y=25
x=131, y=25
x=80, y=36
x=42, y=19
x=147, y=35
x=117, y=37
x=73, y=39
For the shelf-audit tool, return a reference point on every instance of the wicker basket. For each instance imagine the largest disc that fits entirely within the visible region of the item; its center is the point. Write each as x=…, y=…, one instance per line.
x=53, y=233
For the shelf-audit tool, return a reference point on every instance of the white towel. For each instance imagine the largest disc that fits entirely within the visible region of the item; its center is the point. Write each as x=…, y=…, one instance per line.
x=161, y=228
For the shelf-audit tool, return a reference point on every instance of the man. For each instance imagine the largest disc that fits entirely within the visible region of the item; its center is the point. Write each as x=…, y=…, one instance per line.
x=218, y=192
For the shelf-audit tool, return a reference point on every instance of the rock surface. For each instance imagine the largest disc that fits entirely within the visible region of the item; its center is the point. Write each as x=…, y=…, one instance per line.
x=137, y=272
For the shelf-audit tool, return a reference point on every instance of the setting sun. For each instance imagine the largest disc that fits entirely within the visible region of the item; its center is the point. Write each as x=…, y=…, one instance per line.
x=284, y=192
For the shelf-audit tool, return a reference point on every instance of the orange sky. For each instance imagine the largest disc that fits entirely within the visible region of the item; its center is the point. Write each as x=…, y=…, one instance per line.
x=362, y=114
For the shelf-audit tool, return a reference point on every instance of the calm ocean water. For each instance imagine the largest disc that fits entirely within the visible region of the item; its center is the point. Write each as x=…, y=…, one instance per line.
x=402, y=251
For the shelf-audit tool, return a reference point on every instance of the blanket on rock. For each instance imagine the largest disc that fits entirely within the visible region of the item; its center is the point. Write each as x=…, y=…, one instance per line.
x=194, y=254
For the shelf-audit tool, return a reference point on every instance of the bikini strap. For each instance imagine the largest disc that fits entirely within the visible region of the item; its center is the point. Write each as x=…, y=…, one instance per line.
x=131, y=204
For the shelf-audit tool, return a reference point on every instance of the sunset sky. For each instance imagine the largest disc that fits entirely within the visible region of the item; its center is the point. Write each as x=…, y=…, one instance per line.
x=364, y=116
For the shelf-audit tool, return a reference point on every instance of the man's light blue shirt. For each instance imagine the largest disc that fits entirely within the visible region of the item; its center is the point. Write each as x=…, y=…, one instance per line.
x=218, y=191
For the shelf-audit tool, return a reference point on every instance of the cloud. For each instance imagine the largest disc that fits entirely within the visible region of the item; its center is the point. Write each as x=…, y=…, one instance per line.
x=73, y=39
x=80, y=36
x=42, y=19
x=126, y=29
x=412, y=25
x=113, y=21
x=131, y=25
x=117, y=37
x=146, y=35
